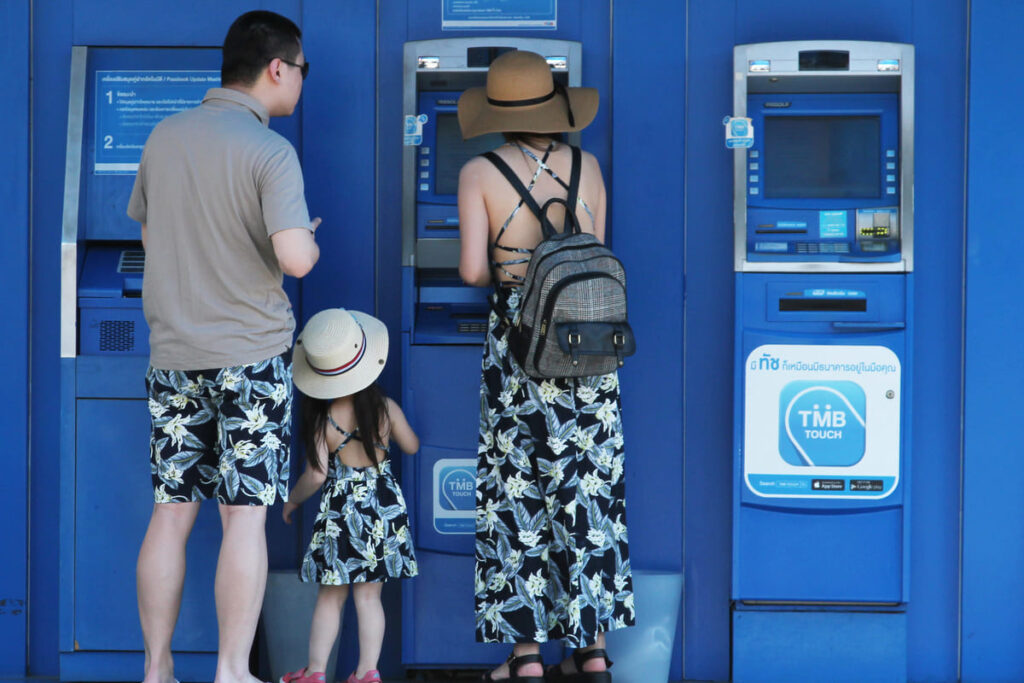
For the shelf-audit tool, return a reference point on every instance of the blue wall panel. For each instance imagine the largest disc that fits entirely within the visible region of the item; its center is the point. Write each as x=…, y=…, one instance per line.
x=888, y=20
x=939, y=33
x=646, y=210
x=14, y=165
x=51, y=65
x=993, y=547
x=392, y=30
x=709, y=332
x=186, y=23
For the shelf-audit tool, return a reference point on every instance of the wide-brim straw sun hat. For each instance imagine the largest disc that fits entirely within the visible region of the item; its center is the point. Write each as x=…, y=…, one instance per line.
x=521, y=96
x=338, y=353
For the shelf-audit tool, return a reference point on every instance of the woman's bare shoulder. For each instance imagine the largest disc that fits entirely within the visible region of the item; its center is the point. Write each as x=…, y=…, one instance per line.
x=589, y=160
x=475, y=170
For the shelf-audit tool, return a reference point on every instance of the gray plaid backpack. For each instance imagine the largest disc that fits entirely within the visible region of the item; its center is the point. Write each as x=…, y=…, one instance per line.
x=573, y=319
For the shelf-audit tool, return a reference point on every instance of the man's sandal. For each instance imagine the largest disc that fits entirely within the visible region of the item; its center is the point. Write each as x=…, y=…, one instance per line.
x=513, y=670
x=554, y=674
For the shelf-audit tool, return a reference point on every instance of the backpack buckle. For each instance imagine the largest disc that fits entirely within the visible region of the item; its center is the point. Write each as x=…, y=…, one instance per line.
x=574, y=339
x=619, y=339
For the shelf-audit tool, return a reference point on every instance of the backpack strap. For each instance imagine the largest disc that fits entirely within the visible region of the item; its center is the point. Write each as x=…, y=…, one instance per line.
x=517, y=184
x=574, y=189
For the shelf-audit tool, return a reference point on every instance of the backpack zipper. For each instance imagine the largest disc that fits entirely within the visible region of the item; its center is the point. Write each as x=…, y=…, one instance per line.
x=571, y=248
x=526, y=293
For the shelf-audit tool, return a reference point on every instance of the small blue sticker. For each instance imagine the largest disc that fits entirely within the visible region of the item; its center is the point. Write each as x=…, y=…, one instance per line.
x=414, y=129
x=832, y=224
x=739, y=132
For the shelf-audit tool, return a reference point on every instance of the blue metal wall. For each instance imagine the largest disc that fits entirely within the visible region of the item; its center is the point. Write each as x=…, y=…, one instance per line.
x=669, y=85
x=646, y=210
x=14, y=258
x=993, y=503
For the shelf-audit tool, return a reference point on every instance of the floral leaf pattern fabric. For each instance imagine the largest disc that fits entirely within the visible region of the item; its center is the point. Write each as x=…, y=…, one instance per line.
x=552, y=548
x=361, y=533
x=222, y=433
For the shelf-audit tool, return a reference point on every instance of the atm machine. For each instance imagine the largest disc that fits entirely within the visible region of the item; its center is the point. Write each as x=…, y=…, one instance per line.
x=443, y=327
x=116, y=97
x=823, y=138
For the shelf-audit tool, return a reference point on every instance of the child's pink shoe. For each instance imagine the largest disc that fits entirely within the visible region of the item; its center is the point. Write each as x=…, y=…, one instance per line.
x=301, y=676
x=371, y=676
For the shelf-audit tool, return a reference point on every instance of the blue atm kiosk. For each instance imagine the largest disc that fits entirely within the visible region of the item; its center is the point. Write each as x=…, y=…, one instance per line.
x=116, y=97
x=443, y=326
x=823, y=218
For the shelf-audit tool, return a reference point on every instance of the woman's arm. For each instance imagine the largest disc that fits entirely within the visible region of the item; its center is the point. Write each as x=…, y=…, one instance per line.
x=474, y=226
x=600, y=210
x=401, y=431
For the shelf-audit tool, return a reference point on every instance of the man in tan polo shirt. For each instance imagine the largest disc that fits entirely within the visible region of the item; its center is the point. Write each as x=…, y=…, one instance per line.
x=223, y=212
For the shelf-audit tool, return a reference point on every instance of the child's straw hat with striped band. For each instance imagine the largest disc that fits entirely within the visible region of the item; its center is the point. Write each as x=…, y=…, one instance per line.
x=339, y=353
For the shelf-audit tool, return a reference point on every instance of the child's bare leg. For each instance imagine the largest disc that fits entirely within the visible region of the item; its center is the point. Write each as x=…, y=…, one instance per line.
x=330, y=602
x=371, y=625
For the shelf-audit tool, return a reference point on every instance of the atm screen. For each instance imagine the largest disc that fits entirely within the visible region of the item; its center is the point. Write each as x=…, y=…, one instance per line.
x=453, y=152
x=822, y=157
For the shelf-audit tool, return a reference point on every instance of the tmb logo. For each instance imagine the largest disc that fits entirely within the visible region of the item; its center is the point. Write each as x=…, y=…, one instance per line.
x=458, y=488
x=822, y=423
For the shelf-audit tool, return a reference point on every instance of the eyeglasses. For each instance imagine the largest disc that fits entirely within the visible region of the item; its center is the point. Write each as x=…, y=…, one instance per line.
x=304, y=67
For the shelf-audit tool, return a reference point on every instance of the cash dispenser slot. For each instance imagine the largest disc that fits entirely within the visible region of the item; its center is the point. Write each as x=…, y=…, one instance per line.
x=844, y=305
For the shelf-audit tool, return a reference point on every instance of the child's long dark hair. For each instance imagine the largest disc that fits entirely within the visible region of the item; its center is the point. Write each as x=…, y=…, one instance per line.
x=371, y=414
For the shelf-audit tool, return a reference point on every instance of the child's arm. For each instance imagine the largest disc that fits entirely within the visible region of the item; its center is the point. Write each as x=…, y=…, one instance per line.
x=401, y=432
x=308, y=484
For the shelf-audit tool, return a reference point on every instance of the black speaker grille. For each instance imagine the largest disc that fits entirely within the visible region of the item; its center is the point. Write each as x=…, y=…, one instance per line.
x=117, y=335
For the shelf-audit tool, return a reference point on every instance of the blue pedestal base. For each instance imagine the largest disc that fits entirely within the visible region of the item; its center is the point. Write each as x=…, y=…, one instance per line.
x=786, y=646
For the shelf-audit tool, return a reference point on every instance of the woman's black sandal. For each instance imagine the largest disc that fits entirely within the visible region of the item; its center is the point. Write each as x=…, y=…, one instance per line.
x=513, y=670
x=554, y=674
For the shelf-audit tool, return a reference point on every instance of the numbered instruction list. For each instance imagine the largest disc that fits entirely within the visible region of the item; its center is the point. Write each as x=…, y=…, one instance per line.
x=129, y=104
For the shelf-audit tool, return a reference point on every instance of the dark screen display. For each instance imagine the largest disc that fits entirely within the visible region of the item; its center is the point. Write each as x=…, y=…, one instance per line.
x=822, y=157
x=452, y=152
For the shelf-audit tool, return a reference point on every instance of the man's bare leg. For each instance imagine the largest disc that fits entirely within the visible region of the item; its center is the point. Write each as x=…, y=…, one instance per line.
x=241, y=580
x=159, y=579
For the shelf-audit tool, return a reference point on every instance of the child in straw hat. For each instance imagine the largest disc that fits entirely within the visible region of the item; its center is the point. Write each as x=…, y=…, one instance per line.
x=361, y=535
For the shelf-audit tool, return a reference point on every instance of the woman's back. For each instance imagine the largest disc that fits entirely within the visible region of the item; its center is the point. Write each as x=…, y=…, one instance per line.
x=501, y=230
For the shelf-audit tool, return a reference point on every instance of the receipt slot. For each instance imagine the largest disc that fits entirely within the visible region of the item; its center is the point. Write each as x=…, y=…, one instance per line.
x=823, y=225
x=443, y=327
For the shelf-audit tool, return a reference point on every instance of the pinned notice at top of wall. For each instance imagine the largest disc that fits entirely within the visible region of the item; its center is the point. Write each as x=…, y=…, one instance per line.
x=738, y=132
x=467, y=15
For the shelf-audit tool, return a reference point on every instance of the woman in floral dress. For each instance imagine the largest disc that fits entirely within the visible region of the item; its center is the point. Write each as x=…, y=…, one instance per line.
x=552, y=556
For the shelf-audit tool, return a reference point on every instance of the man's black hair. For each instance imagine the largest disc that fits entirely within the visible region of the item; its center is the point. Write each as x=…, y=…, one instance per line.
x=254, y=39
